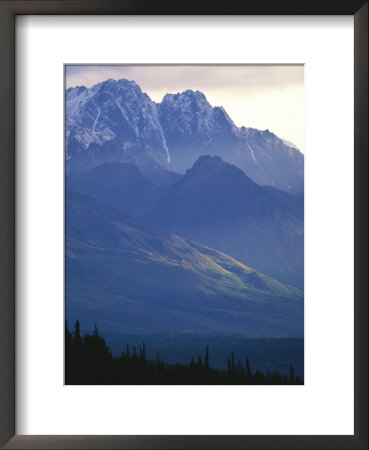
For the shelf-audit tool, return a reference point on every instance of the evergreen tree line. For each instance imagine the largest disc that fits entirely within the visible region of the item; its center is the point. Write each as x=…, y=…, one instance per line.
x=88, y=360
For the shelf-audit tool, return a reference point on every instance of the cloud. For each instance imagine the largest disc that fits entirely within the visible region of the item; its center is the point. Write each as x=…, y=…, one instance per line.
x=154, y=77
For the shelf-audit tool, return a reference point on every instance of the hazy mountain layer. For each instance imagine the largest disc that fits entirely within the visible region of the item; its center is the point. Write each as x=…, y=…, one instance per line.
x=216, y=204
x=130, y=277
x=119, y=185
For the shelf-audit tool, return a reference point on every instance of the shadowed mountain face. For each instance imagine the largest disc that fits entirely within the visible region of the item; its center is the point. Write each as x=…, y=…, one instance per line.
x=130, y=277
x=216, y=204
x=119, y=185
x=115, y=121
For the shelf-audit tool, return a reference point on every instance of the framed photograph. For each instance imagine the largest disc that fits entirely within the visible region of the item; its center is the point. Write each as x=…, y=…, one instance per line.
x=184, y=225
x=184, y=232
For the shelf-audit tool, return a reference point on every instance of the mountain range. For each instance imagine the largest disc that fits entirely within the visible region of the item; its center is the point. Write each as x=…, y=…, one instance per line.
x=215, y=204
x=125, y=125
x=177, y=220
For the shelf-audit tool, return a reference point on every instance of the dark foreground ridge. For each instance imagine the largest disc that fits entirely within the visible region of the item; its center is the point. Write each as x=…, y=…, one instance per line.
x=88, y=361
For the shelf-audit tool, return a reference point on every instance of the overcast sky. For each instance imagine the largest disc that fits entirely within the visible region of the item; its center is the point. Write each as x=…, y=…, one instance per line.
x=264, y=97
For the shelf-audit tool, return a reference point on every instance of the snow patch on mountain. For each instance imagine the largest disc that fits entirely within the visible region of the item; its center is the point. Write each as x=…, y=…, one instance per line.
x=84, y=136
x=166, y=149
x=125, y=116
x=252, y=153
x=97, y=118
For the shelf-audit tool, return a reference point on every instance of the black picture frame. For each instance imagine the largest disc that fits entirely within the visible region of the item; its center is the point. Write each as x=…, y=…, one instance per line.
x=8, y=12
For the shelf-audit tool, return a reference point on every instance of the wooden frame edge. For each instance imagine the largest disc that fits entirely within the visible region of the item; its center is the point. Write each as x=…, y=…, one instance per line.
x=7, y=226
x=8, y=11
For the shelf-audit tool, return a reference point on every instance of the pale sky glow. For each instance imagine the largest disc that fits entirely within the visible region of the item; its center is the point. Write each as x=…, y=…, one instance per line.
x=264, y=97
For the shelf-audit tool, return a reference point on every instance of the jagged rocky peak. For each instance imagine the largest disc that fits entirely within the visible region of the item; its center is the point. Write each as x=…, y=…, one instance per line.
x=188, y=103
x=189, y=113
x=77, y=90
x=119, y=108
x=116, y=84
x=84, y=104
x=123, y=87
x=187, y=95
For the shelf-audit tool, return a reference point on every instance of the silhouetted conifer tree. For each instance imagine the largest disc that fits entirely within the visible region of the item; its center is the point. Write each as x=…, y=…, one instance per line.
x=207, y=361
x=95, y=333
x=268, y=377
x=68, y=354
x=68, y=336
x=232, y=363
x=292, y=377
x=89, y=361
x=248, y=369
x=240, y=368
x=77, y=340
x=144, y=354
x=259, y=377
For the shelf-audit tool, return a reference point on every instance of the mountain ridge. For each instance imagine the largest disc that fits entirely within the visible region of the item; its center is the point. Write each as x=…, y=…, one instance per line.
x=137, y=278
x=216, y=204
x=177, y=131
